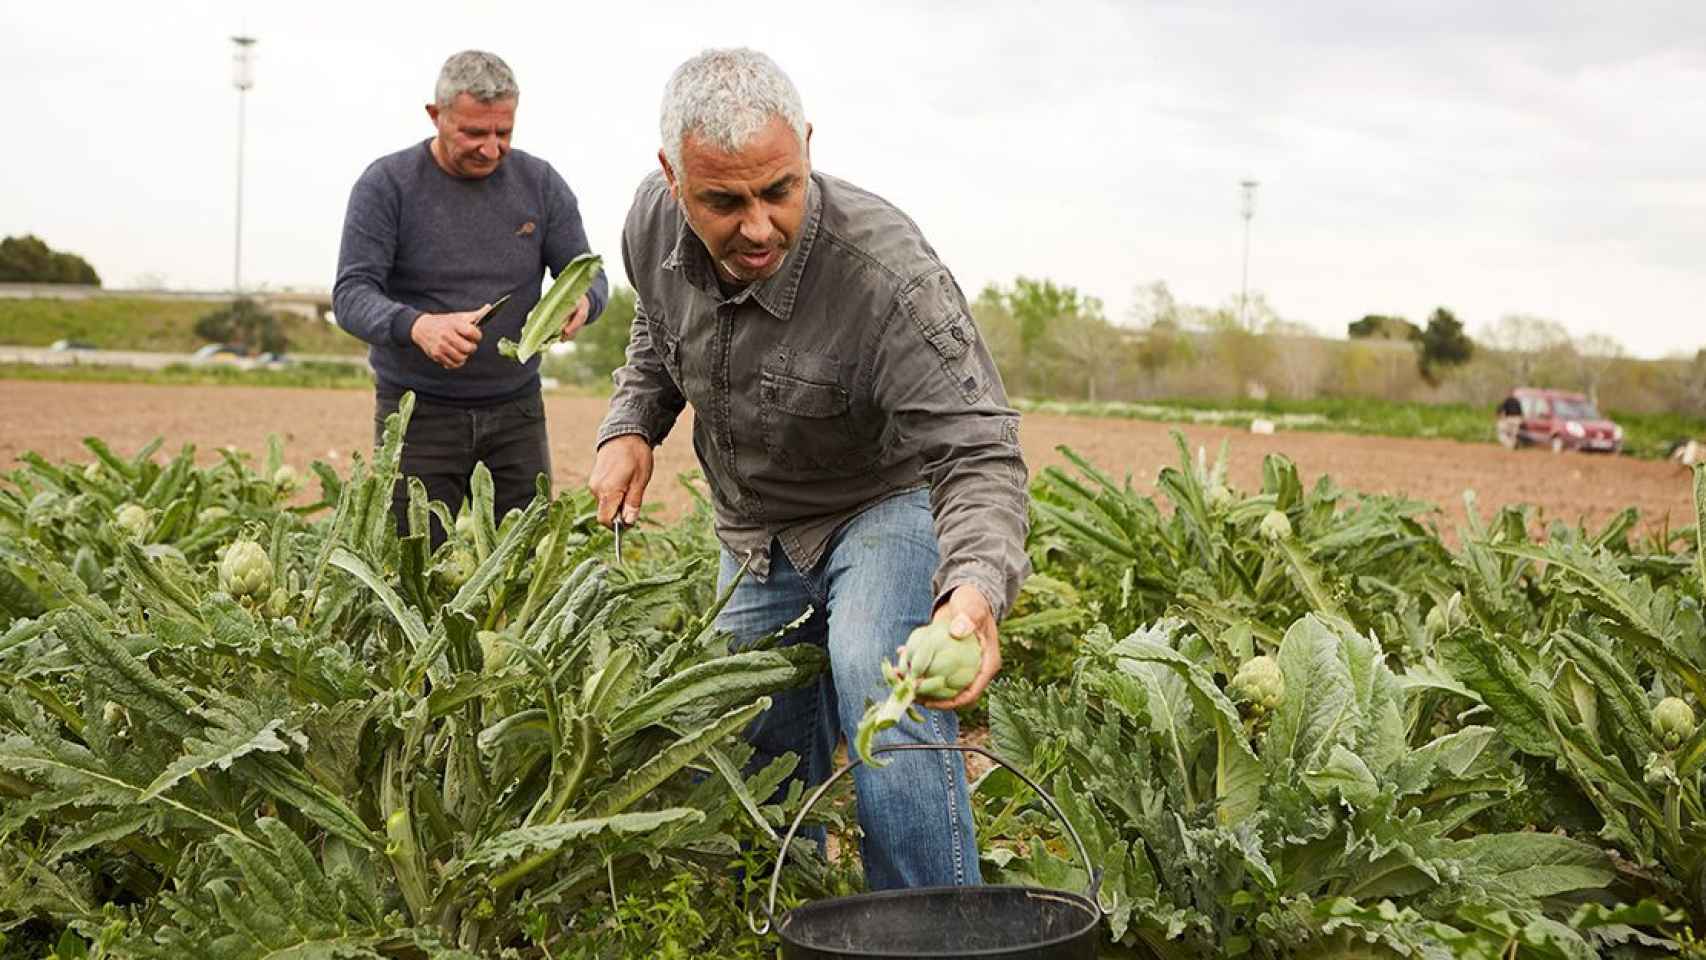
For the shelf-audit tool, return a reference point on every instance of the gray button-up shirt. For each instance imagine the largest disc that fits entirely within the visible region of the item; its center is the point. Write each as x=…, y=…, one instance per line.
x=853, y=374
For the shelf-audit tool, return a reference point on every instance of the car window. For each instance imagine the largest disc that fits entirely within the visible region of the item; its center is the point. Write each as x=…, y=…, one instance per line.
x=1541, y=407
x=1576, y=410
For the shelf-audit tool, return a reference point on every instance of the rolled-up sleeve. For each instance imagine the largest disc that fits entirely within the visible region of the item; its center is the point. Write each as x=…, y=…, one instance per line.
x=366, y=254
x=933, y=375
x=646, y=400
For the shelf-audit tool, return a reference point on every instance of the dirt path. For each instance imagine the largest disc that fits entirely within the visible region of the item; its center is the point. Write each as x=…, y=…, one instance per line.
x=52, y=418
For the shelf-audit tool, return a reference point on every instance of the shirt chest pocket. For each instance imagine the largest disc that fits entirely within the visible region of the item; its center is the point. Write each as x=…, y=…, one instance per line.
x=806, y=415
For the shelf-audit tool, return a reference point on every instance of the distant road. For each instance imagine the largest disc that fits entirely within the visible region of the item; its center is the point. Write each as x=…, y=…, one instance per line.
x=43, y=357
x=309, y=304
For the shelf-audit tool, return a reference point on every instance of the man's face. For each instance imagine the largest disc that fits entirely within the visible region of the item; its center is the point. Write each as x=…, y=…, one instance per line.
x=746, y=206
x=473, y=137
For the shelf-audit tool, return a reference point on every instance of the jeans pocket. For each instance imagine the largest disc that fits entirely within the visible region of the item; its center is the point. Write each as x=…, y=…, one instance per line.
x=531, y=408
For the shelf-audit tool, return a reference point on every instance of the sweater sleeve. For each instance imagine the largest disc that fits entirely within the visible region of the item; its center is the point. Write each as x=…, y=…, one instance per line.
x=366, y=254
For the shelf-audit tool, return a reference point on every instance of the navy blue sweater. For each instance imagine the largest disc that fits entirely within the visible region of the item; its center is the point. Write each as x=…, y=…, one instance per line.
x=418, y=240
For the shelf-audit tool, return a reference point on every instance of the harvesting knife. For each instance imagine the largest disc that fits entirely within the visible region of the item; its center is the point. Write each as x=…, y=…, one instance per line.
x=616, y=525
x=492, y=310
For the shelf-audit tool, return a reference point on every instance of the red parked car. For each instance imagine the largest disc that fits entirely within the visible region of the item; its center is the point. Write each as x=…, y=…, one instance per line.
x=1558, y=419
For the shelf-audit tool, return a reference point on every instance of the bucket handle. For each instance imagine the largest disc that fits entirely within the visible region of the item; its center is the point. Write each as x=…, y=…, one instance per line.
x=822, y=788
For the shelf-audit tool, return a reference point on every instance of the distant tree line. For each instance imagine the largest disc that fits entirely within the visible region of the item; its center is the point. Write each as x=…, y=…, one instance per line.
x=1440, y=345
x=27, y=259
x=1051, y=341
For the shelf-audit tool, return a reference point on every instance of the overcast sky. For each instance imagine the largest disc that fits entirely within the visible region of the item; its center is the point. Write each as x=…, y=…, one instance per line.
x=1495, y=157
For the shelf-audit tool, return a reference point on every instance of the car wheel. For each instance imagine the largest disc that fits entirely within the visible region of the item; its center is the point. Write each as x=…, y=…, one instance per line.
x=1557, y=444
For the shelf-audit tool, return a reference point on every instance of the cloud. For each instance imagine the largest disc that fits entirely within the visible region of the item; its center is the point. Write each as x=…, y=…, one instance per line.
x=1537, y=157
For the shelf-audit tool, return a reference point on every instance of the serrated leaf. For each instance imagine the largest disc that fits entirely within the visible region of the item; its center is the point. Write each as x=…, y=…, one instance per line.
x=514, y=844
x=223, y=746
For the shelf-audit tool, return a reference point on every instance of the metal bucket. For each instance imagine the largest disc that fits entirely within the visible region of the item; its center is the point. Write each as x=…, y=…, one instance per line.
x=942, y=923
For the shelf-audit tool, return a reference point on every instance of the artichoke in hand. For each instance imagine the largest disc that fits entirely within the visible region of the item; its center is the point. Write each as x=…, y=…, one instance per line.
x=933, y=664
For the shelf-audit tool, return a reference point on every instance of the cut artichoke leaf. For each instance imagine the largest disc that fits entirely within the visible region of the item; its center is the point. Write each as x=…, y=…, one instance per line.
x=545, y=321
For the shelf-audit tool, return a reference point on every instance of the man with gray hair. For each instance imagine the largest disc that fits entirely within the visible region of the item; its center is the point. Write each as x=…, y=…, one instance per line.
x=855, y=435
x=434, y=234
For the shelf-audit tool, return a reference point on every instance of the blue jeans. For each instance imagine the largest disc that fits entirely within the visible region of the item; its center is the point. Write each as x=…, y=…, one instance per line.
x=867, y=593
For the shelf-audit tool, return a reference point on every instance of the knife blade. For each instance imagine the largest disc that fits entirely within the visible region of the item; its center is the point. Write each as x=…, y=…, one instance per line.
x=491, y=310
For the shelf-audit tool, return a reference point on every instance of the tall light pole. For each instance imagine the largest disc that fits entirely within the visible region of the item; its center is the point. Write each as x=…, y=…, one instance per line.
x=242, y=77
x=1248, y=209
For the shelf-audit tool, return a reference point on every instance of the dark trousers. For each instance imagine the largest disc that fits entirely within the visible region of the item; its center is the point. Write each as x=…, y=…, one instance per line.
x=443, y=443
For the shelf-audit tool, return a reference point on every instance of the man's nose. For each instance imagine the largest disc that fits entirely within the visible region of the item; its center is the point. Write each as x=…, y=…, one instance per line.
x=489, y=148
x=755, y=226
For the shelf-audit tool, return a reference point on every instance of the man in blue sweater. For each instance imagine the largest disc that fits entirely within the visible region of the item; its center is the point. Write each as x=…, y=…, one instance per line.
x=434, y=234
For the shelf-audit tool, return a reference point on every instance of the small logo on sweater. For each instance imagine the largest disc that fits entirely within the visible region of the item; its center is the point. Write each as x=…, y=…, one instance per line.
x=525, y=230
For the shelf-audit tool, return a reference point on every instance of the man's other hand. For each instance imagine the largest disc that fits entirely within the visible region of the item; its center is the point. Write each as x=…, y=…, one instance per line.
x=620, y=473
x=577, y=320
x=448, y=339
x=967, y=612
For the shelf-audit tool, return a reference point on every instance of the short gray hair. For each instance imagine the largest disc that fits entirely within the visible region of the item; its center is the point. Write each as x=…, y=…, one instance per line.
x=481, y=75
x=727, y=97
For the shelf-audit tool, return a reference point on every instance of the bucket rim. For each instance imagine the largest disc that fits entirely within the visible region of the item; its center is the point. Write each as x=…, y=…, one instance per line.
x=1092, y=910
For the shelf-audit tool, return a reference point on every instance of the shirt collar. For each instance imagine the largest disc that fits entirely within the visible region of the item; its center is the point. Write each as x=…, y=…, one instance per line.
x=776, y=293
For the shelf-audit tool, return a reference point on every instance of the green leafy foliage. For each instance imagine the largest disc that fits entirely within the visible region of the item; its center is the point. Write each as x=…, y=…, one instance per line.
x=1334, y=735
x=369, y=755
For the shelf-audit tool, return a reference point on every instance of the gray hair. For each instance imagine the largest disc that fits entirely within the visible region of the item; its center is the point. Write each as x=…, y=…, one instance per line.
x=727, y=97
x=481, y=75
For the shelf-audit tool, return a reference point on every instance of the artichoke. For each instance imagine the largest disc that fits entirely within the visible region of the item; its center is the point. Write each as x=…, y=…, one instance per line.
x=1276, y=526
x=1673, y=722
x=246, y=570
x=1260, y=682
x=133, y=519
x=454, y=570
x=92, y=471
x=1221, y=497
x=278, y=605
x=933, y=663
x=284, y=478
x=211, y=515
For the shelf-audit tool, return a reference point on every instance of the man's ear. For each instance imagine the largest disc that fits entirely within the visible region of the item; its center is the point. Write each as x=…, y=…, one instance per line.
x=432, y=113
x=669, y=175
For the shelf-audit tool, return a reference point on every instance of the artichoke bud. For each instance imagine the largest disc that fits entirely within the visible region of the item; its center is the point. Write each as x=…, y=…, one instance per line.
x=132, y=518
x=278, y=604
x=1276, y=526
x=245, y=570
x=455, y=569
x=933, y=652
x=1659, y=770
x=1220, y=497
x=284, y=479
x=92, y=471
x=1673, y=722
x=492, y=649
x=211, y=515
x=1260, y=682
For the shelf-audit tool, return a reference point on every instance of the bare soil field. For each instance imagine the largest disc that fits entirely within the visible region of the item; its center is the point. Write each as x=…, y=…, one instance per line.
x=52, y=418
